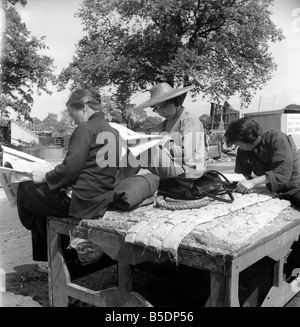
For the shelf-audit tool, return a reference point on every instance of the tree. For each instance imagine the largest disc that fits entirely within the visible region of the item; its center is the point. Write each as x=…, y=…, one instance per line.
x=149, y=125
x=219, y=46
x=23, y=69
x=110, y=110
x=135, y=117
x=65, y=117
x=118, y=110
x=50, y=122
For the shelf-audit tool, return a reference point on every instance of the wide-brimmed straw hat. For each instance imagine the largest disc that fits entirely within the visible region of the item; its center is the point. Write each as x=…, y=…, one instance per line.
x=162, y=92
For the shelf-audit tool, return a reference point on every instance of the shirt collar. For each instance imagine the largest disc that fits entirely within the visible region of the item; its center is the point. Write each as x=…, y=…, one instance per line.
x=96, y=114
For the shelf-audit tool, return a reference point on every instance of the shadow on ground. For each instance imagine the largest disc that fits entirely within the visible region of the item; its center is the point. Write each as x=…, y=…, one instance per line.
x=165, y=285
x=27, y=281
x=162, y=285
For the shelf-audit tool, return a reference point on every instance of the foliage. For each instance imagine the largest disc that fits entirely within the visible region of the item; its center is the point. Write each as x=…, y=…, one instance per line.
x=219, y=46
x=51, y=123
x=118, y=110
x=23, y=69
x=65, y=117
x=110, y=110
x=22, y=2
x=149, y=125
x=135, y=117
x=205, y=120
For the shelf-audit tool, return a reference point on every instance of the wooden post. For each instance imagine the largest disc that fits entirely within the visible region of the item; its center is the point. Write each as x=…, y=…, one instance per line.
x=125, y=276
x=58, y=272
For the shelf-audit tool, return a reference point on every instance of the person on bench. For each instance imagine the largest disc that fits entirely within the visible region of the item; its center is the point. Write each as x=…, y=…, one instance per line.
x=92, y=186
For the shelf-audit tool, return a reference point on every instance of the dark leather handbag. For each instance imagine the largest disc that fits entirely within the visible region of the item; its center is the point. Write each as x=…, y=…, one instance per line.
x=212, y=184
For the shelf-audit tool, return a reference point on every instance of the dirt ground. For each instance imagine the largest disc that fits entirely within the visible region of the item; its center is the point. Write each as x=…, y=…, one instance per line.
x=24, y=285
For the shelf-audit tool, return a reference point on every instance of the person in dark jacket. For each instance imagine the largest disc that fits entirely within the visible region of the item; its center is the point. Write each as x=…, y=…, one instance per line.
x=268, y=157
x=83, y=170
x=90, y=178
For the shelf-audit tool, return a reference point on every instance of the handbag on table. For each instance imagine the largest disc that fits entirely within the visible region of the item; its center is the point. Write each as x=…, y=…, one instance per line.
x=212, y=184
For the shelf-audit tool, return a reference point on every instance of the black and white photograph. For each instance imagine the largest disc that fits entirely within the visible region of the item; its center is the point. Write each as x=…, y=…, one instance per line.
x=150, y=156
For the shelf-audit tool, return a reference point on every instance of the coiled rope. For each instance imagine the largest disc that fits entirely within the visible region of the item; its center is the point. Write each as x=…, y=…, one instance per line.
x=178, y=204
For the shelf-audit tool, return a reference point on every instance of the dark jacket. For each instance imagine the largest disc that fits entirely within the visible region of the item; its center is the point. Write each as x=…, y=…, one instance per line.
x=275, y=157
x=92, y=184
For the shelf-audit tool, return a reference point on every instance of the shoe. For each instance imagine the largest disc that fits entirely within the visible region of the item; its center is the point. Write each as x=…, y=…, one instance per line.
x=42, y=267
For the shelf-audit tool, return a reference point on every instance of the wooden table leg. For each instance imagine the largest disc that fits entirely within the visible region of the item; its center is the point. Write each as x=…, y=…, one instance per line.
x=223, y=290
x=125, y=276
x=58, y=273
x=281, y=292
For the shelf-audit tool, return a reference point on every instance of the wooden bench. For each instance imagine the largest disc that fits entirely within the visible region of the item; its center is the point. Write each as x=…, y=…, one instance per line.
x=225, y=262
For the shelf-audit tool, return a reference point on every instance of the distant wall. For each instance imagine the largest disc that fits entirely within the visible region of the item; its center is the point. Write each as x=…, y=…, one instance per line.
x=268, y=119
x=21, y=135
x=288, y=123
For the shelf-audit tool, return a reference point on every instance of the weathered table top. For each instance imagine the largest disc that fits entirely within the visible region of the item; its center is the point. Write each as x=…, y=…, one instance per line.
x=232, y=230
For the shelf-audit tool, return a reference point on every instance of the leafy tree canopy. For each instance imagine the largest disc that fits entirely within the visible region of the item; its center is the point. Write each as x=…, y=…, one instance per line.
x=220, y=46
x=22, y=67
x=22, y=2
x=149, y=125
x=110, y=110
x=65, y=117
x=50, y=121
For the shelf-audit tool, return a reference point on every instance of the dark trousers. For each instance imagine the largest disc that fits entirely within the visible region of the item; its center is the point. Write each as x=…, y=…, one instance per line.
x=295, y=199
x=35, y=202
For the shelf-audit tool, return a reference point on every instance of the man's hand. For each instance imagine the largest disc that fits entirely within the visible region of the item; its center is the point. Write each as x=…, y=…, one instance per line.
x=38, y=177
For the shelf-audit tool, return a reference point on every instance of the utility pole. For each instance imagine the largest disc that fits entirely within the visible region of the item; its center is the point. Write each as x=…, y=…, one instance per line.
x=2, y=25
x=274, y=103
x=259, y=103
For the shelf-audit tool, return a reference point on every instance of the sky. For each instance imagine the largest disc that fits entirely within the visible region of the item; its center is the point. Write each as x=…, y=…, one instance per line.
x=56, y=20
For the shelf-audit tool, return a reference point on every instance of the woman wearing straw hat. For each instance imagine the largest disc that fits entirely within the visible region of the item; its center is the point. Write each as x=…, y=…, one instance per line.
x=183, y=130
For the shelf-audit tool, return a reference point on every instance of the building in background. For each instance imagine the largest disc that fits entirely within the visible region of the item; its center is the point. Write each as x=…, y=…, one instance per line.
x=286, y=120
x=222, y=116
x=17, y=133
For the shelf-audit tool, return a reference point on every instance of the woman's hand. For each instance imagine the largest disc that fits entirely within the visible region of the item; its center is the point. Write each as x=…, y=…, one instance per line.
x=245, y=186
x=38, y=177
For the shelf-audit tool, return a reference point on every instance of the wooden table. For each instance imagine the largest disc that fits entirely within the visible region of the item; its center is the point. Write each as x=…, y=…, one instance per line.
x=224, y=264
